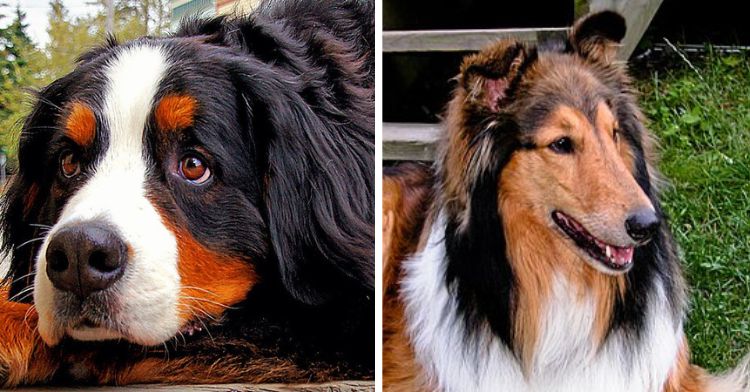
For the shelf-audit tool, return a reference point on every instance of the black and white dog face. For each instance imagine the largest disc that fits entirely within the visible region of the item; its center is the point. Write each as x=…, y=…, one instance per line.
x=163, y=178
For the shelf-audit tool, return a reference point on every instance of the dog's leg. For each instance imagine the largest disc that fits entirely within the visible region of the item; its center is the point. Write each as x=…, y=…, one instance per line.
x=24, y=358
x=153, y=366
x=686, y=377
x=406, y=197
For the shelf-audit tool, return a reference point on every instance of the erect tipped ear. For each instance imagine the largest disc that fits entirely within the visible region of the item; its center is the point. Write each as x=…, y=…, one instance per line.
x=490, y=76
x=597, y=36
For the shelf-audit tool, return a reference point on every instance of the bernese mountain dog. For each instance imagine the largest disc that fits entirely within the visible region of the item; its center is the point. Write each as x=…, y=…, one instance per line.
x=199, y=207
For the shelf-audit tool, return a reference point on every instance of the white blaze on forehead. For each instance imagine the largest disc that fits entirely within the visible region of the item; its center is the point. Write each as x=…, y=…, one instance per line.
x=133, y=83
x=147, y=294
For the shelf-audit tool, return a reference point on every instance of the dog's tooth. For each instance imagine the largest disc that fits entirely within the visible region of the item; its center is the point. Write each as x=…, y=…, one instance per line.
x=609, y=251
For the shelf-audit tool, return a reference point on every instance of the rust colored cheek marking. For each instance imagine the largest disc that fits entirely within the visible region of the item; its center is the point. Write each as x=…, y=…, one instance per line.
x=80, y=125
x=211, y=281
x=175, y=112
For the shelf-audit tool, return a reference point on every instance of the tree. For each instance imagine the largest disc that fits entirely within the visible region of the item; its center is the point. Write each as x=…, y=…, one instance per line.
x=20, y=64
x=68, y=38
x=13, y=40
x=24, y=67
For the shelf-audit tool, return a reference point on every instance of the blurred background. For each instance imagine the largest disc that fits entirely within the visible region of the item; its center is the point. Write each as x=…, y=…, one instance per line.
x=41, y=39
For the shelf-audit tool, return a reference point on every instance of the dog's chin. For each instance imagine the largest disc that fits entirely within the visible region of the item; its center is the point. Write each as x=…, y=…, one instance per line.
x=53, y=332
x=92, y=334
x=97, y=319
x=605, y=258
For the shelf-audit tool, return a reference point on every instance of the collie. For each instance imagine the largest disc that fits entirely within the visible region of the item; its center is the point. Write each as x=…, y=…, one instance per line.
x=544, y=261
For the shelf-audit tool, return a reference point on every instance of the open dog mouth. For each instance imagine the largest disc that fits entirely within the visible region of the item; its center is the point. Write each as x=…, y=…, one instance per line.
x=611, y=256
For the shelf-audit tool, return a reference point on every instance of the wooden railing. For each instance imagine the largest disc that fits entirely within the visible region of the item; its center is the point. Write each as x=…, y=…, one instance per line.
x=415, y=141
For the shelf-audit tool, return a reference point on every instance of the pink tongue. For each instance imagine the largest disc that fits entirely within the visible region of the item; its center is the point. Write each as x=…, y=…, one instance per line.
x=622, y=256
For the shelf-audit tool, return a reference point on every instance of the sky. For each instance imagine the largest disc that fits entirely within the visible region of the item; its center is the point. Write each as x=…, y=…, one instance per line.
x=37, y=12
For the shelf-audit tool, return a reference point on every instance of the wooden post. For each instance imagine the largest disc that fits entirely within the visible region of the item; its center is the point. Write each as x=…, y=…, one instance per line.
x=638, y=15
x=110, y=17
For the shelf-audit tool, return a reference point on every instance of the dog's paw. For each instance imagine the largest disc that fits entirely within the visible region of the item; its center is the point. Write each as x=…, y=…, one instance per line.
x=18, y=343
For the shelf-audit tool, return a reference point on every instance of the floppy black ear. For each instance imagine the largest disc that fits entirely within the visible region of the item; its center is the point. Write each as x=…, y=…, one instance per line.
x=319, y=182
x=24, y=200
x=597, y=36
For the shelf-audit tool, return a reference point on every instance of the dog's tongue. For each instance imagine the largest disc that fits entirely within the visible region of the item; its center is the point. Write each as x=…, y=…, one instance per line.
x=622, y=256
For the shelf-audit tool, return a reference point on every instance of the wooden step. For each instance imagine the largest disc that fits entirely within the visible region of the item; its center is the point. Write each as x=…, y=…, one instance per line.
x=462, y=40
x=410, y=141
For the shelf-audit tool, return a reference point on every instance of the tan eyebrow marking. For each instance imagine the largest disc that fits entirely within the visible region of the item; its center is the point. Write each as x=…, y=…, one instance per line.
x=80, y=125
x=175, y=112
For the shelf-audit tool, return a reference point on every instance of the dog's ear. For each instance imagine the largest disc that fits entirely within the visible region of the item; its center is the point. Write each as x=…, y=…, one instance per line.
x=319, y=183
x=26, y=195
x=490, y=76
x=597, y=36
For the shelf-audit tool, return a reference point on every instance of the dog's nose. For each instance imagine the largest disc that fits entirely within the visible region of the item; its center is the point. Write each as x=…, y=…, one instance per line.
x=85, y=257
x=642, y=224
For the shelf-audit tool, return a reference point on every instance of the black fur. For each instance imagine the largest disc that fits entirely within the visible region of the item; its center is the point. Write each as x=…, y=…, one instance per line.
x=478, y=269
x=286, y=119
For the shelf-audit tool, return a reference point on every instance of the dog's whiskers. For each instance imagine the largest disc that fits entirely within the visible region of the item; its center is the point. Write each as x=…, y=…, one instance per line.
x=196, y=317
x=210, y=302
x=43, y=226
x=31, y=309
x=22, y=295
x=199, y=289
x=31, y=241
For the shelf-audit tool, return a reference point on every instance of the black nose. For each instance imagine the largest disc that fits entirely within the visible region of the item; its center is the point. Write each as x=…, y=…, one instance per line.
x=85, y=257
x=642, y=224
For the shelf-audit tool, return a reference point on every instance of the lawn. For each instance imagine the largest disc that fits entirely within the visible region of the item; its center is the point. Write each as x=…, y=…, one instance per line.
x=701, y=113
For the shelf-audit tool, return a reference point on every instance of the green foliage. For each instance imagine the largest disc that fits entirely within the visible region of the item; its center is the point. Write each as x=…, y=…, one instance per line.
x=702, y=117
x=24, y=67
x=19, y=69
x=69, y=37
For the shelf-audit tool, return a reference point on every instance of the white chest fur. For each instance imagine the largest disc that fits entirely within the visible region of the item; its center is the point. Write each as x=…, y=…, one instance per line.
x=565, y=359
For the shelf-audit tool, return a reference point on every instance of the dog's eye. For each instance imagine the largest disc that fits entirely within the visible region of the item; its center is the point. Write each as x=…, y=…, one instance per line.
x=562, y=145
x=70, y=166
x=193, y=169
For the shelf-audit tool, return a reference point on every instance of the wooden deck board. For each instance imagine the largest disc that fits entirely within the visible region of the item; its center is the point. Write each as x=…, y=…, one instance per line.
x=461, y=40
x=342, y=386
x=412, y=142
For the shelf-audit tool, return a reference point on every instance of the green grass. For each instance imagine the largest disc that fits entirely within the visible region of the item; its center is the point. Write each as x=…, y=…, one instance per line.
x=702, y=118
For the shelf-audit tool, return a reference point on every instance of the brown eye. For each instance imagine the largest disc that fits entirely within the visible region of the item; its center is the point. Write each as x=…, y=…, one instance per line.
x=70, y=166
x=194, y=169
x=562, y=145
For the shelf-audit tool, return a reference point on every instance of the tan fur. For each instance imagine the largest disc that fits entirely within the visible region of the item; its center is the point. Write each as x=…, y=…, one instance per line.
x=686, y=377
x=80, y=125
x=405, y=197
x=595, y=185
x=23, y=356
x=175, y=112
x=456, y=150
x=26, y=360
x=205, y=295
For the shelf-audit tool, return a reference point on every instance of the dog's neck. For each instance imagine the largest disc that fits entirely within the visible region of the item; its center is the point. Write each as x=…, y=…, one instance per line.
x=561, y=326
x=546, y=268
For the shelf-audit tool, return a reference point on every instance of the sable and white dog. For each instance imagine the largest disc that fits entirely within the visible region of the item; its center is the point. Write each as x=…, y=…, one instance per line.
x=535, y=256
